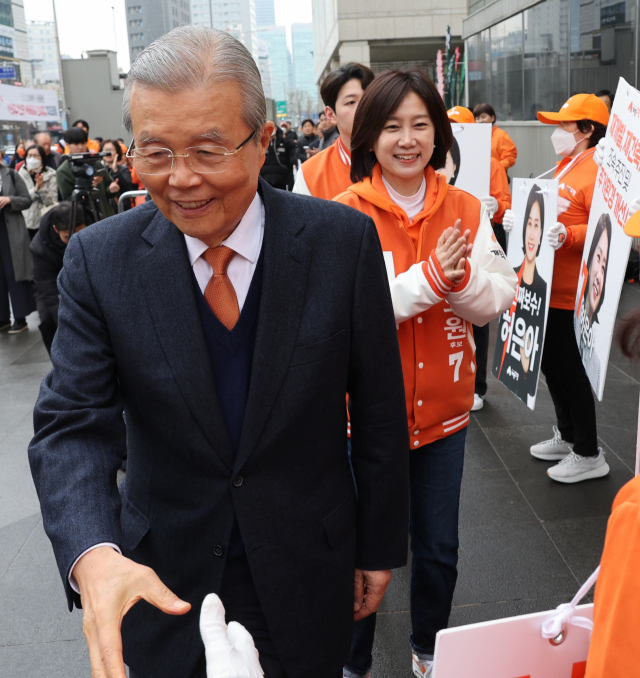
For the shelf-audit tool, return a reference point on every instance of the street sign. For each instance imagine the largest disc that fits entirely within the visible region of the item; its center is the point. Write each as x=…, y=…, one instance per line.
x=7, y=72
x=281, y=109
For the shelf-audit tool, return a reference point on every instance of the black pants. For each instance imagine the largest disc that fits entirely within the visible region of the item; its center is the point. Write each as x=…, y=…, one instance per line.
x=20, y=292
x=481, y=334
x=568, y=384
x=241, y=604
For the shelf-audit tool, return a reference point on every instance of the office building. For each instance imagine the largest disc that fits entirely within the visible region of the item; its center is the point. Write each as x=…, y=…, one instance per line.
x=147, y=20
x=275, y=38
x=264, y=65
x=43, y=51
x=237, y=17
x=526, y=57
x=303, y=65
x=14, y=43
x=265, y=13
x=384, y=35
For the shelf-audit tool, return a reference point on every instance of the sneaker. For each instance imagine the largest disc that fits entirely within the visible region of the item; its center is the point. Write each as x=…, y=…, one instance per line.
x=5, y=325
x=422, y=668
x=574, y=468
x=18, y=326
x=478, y=402
x=553, y=449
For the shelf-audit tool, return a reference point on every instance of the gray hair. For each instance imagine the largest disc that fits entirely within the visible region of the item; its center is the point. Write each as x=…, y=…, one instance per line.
x=192, y=57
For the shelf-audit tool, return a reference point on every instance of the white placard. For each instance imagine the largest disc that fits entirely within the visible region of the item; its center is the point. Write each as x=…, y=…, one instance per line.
x=469, y=160
x=512, y=648
x=606, y=247
x=24, y=103
x=518, y=353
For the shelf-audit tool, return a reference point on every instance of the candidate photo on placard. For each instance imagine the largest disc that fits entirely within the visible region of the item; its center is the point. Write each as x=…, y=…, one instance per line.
x=452, y=166
x=593, y=298
x=518, y=350
x=468, y=164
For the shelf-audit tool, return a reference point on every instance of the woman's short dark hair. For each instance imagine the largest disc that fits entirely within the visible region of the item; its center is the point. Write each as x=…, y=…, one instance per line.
x=379, y=102
x=337, y=79
x=43, y=155
x=599, y=131
x=115, y=144
x=604, y=223
x=61, y=215
x=535, y=195
x=76, y=135
x=455, y=158
x=606, y=93
x=479, y=109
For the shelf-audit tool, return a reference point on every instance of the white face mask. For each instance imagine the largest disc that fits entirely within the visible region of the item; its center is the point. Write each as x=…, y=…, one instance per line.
x=564, y=143
x=33, y=164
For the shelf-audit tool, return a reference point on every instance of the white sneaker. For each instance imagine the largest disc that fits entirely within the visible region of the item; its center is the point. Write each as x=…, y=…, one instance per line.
x=574, y=468
x=422, y=668
x=553, y=449
x=478, y=402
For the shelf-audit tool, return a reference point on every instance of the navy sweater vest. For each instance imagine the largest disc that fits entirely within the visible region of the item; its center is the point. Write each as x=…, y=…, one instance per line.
x=231, y=353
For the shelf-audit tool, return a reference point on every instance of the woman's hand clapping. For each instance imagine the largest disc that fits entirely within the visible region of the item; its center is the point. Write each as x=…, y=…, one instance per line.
x=452, y=251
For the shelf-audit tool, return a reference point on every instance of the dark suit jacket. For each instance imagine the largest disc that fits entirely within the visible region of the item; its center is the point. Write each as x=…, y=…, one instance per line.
x=130, y=338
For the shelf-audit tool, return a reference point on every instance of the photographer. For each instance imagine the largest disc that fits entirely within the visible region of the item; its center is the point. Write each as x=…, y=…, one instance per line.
x=47, y=249
x=116, y=163
x=40, y=180
x=76, y=141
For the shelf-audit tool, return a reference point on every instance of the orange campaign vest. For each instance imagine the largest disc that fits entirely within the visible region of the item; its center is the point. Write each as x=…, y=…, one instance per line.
x=499, y=189
x=436, y=346
x=576, y=186
x=502, y=148
x=329, y=172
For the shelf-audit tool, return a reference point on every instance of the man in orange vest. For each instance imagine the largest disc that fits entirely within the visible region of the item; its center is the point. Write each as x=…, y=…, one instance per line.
x=328, y=173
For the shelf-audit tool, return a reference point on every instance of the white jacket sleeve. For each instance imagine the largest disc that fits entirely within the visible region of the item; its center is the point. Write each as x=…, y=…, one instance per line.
x=412, y=292
x=300, y=185
x=490, y=283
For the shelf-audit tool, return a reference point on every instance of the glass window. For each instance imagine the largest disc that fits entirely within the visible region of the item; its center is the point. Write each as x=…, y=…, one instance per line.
x=602, y=44
x=506, y=69
x=546, y=35
x=479, y=64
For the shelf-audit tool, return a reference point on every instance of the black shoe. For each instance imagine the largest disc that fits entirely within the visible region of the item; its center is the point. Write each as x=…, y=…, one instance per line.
x=5, y=325
x=18, y=326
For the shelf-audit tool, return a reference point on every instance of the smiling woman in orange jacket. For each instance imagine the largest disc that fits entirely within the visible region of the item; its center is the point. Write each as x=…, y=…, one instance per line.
x=446, y=271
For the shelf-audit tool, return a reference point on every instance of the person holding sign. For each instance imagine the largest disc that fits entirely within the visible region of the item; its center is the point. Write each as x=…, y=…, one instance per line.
x=440, y=284
x=525, y=310
x=496, y=203
x=581, y=123
x=502, y=147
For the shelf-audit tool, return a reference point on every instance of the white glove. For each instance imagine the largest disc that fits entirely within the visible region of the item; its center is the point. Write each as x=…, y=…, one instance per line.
x=229, y=650
x=491, y=204
x=598, y=155
x=557, y=235
x=507, y=221
x=634, y=206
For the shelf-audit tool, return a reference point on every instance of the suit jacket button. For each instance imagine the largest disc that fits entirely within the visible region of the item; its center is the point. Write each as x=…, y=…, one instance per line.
x=237, y=481
x=217, y=550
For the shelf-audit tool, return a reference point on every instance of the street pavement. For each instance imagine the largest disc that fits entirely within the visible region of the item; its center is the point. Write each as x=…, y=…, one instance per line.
x=526, y=543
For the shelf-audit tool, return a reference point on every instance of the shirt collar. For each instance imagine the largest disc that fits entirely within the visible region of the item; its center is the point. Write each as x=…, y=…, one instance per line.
x=245, y=239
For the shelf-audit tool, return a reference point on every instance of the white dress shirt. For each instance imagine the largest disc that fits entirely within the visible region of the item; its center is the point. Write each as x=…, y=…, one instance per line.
x=246, y=242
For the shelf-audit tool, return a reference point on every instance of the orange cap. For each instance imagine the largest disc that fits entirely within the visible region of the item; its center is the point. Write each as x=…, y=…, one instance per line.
x=578, y=107
x=632, y=227
x=460, y=114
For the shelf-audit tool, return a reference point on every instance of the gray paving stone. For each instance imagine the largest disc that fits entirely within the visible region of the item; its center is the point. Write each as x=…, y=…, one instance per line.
x=13, y=538
x=64, y=659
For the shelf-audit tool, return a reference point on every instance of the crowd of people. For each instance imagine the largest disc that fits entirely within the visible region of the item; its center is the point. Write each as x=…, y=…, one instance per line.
x=379, y=292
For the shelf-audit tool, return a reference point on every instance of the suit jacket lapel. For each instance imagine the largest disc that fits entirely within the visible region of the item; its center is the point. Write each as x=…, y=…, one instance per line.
x=167, y=280
x=283, y=290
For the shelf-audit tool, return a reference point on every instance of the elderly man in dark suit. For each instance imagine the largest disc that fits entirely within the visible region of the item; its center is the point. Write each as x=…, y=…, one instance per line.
x=228, y=320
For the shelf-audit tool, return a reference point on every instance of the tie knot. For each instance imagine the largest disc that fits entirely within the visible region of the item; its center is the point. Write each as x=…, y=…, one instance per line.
x=218, y=258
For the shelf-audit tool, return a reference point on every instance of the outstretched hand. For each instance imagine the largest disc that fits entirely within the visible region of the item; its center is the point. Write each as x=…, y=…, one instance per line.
x=229, y=650
x=369, y=590
x=452, y=251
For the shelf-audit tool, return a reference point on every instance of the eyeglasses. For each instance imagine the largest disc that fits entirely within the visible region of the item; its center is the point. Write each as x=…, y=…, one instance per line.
x=201, y=159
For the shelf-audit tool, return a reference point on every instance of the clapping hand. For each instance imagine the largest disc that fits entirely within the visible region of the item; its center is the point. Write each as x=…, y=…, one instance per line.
x=39, y=181
x=452, y=251
x=114, y=187
x=229, y=650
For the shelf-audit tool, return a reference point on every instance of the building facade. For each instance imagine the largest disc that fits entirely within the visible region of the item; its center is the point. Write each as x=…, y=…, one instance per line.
x=304, y=84
x=384, y=35
x=265, y=13
x=277, y=53
x=43, y=51
x=524, y=57
x=237, y=17
x=14, y=42
x=147, y=20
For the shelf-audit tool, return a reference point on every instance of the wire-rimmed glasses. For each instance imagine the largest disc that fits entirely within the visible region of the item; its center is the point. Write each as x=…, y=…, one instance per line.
x=201, y=159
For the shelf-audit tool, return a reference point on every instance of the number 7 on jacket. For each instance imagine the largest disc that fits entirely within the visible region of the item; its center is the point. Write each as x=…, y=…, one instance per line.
x=456, y=358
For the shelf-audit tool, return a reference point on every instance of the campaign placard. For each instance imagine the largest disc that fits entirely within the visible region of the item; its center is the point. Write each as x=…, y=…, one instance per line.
x=468, y=163
x=518, y=354
x=606, y=247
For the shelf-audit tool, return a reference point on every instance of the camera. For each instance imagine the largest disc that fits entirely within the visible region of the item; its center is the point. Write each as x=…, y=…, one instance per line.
x=82, y=167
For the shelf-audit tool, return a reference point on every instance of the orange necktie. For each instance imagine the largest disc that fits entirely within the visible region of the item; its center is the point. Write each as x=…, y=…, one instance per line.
x=219, y=292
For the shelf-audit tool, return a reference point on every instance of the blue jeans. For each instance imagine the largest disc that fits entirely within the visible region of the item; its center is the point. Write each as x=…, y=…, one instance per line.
x=436, y=478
